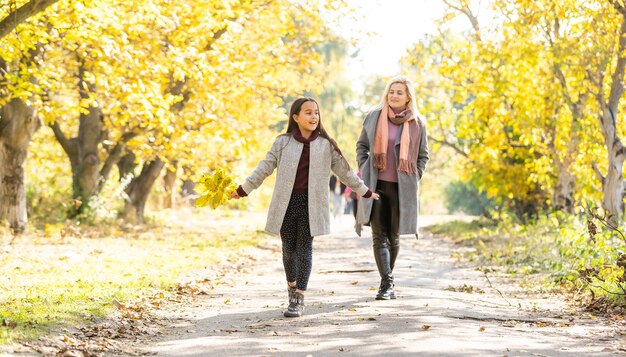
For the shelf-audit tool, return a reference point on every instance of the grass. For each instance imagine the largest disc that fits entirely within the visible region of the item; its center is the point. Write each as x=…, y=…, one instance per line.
x=63, y=276
x=461, y=231
x=550, y=254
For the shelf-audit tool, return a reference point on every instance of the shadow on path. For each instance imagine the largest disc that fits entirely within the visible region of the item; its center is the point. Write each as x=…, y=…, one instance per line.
x=443, y=309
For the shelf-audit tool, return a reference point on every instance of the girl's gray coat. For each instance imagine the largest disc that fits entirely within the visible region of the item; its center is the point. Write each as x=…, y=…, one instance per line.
x=285, y=154
x=408, y=186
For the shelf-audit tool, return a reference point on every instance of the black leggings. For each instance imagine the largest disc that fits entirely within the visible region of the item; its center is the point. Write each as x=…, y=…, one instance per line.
x=385, y=219
x=295, y=234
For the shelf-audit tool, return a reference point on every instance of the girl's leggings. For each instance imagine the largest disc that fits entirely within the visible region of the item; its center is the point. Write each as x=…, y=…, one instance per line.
x=295, y=234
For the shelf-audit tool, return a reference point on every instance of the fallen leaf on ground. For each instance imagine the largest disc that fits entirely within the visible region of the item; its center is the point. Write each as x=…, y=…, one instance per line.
x=119, y=305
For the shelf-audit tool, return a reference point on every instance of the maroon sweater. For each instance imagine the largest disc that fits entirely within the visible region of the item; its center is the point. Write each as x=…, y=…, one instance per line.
x=301, y=185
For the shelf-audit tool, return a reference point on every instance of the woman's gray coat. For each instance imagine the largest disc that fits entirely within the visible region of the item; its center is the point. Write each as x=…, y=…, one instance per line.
x=408, y=185
x=285, y=154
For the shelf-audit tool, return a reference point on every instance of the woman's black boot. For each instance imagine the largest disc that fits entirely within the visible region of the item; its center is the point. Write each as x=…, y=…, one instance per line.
x=385, y=292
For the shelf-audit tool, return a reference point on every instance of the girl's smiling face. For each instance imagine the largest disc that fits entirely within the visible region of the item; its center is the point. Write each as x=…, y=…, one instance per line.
x=308, y=118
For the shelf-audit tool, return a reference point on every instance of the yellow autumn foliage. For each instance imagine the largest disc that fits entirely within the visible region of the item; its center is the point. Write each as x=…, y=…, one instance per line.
x=215, y=188
x=517, y=95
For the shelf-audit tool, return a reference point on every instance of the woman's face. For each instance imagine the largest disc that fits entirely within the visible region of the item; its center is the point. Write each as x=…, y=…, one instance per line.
x=308, y=118
x=398, y=97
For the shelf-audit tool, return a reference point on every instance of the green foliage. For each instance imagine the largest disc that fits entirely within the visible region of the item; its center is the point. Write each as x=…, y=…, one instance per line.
x=48, y=204
x=464, y=197
x=554, y=252
x=104, y=207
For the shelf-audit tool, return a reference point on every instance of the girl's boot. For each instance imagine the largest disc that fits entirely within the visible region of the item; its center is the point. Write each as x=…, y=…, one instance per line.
x=296, y=305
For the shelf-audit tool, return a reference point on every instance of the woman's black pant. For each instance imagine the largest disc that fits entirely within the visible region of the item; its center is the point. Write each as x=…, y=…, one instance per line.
x=385, y=223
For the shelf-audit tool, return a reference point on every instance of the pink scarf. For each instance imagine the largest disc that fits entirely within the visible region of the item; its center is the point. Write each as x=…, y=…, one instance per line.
x=409, y=140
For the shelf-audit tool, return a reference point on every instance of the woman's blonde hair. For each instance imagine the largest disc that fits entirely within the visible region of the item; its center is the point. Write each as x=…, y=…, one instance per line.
x=410, y=90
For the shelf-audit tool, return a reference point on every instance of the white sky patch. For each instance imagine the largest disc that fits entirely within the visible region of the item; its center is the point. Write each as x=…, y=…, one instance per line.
x=394, y=26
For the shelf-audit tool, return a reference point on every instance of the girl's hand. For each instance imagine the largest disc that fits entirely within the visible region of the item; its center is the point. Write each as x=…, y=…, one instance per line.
x=375, y=196
x=235, y=195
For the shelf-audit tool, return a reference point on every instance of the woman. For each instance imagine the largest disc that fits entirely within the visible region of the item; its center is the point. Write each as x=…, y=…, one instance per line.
x=392, y=153
x=304, y=156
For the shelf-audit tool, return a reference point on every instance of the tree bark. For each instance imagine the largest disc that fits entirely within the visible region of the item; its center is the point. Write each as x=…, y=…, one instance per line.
x=83, y=150
x=169, y=182
x=563, y=199
x=139, y=188
x=21, y=14
x=114, y=156
x=126, y=165
x=17, y=126
x=613, y=182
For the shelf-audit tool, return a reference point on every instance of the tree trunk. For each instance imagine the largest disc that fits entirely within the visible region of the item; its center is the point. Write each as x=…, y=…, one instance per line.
x=87, y=171
x=17, y=126
x=115, y=155
x=169, y=182
x=563, y=199
x=83, y=150
x=613, y=188
x=613, y=183
x=126, y=165
x=139, y=189
x=187, y=190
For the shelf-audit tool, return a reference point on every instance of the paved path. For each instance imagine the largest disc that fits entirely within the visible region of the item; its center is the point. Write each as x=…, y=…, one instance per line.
x=443, y=309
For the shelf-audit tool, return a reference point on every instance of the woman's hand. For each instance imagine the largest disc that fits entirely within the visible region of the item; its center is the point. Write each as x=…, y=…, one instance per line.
x=235, y=195
x=375, y=196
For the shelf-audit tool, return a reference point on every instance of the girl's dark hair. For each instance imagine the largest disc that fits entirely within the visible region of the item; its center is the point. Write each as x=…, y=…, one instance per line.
x=295, y=110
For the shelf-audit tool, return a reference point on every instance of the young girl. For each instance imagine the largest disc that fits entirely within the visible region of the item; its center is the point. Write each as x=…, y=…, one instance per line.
x=304, y=156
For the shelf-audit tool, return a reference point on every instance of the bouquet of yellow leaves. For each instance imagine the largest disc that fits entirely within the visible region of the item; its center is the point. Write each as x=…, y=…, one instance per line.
x=215, y=188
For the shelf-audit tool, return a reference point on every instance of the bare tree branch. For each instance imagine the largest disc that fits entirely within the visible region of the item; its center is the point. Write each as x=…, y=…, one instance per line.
x=450, y=145
x=20, y=15
x=465, y=10
x=598, y=172
x=61, y=138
